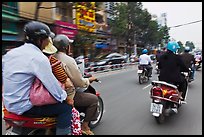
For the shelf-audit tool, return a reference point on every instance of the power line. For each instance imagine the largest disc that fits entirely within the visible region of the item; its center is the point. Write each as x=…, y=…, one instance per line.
x=185, y=24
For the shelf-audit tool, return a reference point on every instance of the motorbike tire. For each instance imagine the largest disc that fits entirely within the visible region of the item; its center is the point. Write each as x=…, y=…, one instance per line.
x=140, y=80
x=93, y=124
x=160, y=119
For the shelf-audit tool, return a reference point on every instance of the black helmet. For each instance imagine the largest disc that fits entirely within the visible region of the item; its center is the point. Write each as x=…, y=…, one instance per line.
x=61, y=41
x=35, y=30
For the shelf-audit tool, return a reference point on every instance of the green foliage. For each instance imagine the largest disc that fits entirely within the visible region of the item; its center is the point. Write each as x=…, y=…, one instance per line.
x=134, y=23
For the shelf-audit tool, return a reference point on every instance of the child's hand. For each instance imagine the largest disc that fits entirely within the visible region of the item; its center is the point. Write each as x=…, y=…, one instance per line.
x=70, y=101
x=68, y=83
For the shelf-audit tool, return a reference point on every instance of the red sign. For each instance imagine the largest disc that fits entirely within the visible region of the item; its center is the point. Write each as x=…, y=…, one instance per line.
x=66, y=28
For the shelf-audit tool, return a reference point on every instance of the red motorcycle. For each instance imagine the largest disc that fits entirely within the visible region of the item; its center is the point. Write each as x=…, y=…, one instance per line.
x=166, y=100
x=32, y=125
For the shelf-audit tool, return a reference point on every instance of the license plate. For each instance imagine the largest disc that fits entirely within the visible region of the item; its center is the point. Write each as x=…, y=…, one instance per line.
x=156, y=108
x=139, y=71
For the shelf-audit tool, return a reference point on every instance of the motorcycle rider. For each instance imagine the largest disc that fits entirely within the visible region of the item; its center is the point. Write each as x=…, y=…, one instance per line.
x=158, y=55
x=21, y=65
x=145, y=61
x=198, y=58
x=171, y=66
x=88, y=100
x=189, y=61
x=59, y=72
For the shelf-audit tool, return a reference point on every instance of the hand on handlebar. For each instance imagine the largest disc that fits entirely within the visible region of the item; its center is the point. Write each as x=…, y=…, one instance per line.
x=91, y=79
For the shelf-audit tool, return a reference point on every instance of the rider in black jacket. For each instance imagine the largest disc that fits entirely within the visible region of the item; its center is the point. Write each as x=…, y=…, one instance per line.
x=189, y=61
x=171, y=66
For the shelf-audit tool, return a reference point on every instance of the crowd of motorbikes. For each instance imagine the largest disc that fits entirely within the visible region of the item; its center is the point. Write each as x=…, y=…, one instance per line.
x=165, y=97
x=165, y=101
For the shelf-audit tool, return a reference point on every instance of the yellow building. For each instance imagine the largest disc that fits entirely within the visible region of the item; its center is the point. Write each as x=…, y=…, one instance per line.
x=28, y=9
x=85, y=16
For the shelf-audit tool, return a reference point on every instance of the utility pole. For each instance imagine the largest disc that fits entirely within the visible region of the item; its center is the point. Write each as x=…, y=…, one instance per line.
x=37, y=10
x=128, y=34
x=135, y=45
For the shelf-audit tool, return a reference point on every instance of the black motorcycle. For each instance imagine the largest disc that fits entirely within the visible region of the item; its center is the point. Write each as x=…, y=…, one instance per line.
x=143, y=74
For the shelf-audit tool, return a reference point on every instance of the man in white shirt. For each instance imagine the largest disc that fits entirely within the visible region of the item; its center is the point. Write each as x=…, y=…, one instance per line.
x=145, y=61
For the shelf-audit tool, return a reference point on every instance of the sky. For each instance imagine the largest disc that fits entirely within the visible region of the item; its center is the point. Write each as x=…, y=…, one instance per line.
x=179, y=13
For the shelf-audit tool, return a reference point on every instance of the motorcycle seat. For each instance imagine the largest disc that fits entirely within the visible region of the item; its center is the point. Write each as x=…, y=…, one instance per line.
x=155, y=82
x=13, y=116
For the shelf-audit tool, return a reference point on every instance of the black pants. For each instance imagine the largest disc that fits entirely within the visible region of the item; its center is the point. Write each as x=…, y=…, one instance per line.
x=182, y=86
x=148, y=67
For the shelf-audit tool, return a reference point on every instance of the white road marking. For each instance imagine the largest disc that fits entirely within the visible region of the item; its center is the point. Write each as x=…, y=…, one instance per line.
x=146, y=86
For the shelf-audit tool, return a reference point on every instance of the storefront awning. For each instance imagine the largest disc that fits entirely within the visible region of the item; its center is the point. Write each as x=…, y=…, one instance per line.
x=10, y=17
x=101, y=46
x=10, y=37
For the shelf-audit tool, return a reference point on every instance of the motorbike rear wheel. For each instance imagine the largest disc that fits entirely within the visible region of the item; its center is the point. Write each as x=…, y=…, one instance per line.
x=160, y=119
x=93, y=124
x=140, y=79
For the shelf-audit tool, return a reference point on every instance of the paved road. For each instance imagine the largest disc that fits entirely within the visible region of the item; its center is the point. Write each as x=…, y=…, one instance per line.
x=127, y=105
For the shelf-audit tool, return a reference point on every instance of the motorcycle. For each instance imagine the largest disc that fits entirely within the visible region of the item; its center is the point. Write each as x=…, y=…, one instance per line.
x=32, y=125
x=166, y=99
x=197, y=64
x=156, y=68
x=189, y=75
x=143, y=74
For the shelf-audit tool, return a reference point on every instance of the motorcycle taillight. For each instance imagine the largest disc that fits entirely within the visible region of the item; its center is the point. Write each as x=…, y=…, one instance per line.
x=170, y=93
x=156, y=91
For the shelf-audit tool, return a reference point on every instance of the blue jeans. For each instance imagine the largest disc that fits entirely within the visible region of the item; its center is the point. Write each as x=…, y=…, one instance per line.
x=62, y=111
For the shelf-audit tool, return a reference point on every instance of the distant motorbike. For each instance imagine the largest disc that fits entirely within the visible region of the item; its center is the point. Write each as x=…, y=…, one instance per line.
x=143, y=74
x=197, y=64
x=32, y=125
x=189, y=75
x=166, y=99
x=157, y=68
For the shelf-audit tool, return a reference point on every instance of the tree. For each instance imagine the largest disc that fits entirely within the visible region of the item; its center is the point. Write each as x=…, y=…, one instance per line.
x=83, y=42
x=135, y=24
x=119, y=23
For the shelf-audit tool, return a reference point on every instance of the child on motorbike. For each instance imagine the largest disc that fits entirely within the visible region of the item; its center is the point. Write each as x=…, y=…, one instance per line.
x=59, y=72
x=84, y=99
x=20, y=66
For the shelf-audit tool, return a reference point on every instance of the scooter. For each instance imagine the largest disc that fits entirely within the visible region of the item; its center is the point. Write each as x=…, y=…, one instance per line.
x=197, y=64
x=143, y=74
x=157, y=68
x=32, y=125
x=166, y=99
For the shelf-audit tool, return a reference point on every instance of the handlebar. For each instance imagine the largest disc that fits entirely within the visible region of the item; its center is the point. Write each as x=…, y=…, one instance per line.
x=97, y=81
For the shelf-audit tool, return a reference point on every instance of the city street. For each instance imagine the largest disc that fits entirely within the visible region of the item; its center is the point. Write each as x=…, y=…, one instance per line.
x=107, y=40
x=127, y=107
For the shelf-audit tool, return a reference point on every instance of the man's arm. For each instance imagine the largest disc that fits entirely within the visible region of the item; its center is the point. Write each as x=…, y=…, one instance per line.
x=74, y=74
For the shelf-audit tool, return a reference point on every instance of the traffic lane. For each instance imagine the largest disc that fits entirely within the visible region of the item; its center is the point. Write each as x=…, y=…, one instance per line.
x=123, y=90
x=115, y=118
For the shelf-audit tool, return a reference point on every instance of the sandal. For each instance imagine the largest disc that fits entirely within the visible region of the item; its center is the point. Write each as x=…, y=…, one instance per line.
x=87, y=132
